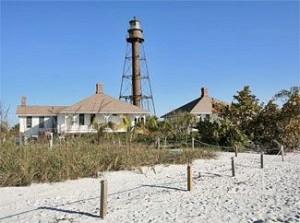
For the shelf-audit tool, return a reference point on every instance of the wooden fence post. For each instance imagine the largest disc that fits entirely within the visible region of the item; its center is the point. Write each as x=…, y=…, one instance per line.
x=193, y=143
x=158, y=143
x=103, y=199
x=282, y=153
x=189, y=177
x=262, y=160
x=232, y=166
x=165, y=142
x=235, y=150
x=50, y=139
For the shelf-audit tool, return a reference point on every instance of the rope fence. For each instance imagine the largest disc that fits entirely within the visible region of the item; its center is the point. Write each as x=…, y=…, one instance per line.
x=192, y=143
x=214, y=146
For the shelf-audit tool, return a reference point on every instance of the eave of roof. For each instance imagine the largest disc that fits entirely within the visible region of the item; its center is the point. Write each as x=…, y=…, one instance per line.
x=201, y=105
x=184, y=108
x=34, y=110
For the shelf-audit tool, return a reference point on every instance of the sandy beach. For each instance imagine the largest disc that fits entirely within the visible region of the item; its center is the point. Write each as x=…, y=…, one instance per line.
x=159, y=194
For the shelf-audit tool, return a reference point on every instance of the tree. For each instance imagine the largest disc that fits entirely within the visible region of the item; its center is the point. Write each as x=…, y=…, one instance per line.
x=3, y=119
x=290, y=118
x=238, y=119
x=4, y=127
x=165, y=128
x=244, y=110
x=209, y=131
x=15, y=129
x=267, y=124
x=180, y=123
x=220, y=132
x=152, y=124
x=285, y=95
x=245, y=119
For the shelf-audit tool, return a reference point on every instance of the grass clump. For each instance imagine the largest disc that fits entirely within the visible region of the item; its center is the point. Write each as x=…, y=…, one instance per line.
x=23, y=165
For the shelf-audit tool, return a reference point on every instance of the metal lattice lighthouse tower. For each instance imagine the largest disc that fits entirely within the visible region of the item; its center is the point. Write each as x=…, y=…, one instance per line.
x=135, y=85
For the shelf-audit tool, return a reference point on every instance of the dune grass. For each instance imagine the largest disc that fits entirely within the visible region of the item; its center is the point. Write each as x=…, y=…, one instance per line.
x=23, y=165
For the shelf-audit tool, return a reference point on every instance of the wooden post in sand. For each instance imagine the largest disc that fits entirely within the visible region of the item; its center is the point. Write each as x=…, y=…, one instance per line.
x=103, y=199
x=193, y=143
x=189, y=177
x=282, y=153
x=262, y=160
x=232, y=166
x=235, y=150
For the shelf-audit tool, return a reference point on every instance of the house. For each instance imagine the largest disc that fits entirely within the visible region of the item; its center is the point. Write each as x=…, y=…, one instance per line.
x=34, y=119
x=202, y=107
x=82, y=117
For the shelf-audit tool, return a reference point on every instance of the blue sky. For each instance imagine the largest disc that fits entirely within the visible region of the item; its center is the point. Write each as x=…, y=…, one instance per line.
x=55, y=52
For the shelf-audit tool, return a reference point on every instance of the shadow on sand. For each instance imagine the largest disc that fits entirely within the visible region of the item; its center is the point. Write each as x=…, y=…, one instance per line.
x=64, y=210
x=69, y=211
x=164, y=187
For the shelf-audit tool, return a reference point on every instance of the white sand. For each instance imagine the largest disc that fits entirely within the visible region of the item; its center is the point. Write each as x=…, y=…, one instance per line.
x=257, y=195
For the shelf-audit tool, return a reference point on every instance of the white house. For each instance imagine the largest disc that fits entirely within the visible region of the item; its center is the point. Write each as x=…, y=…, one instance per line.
x=81, y=117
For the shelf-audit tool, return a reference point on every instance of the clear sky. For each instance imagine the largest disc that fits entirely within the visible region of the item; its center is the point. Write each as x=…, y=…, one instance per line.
x=55, y=52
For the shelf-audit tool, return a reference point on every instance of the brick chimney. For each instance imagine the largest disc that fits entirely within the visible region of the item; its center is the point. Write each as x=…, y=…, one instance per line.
x=204, y=92
x=99, y=88
x=23, y=101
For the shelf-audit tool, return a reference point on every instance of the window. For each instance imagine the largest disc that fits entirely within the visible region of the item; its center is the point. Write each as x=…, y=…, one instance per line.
x=29, y=121
x=92, y=118
x=41, y=122
x=207, y=116
x=81, y=119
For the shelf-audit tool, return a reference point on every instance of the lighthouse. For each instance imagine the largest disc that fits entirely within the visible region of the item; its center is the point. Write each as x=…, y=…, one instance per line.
x=135, y=38
x=135, y=72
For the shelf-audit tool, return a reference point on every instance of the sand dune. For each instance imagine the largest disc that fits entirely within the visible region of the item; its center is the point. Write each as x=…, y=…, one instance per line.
x=159, y=194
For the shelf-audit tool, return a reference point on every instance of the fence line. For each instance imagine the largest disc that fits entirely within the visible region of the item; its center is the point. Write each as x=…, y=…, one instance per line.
x=164, y=143
x=210, y=145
